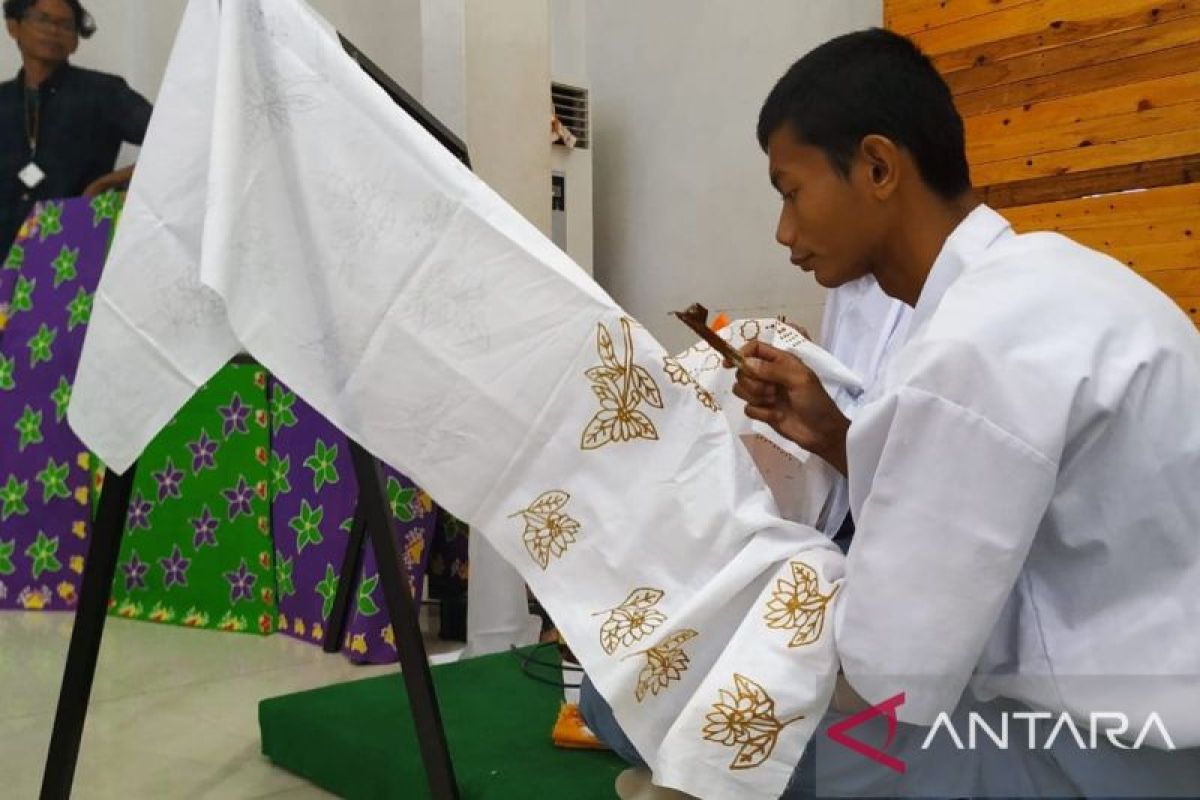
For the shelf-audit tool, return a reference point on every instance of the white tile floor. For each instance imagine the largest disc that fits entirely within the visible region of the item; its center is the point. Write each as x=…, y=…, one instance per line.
x=174, y=711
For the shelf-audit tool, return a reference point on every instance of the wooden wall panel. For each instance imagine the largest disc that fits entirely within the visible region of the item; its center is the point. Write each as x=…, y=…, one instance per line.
x=1106, y=115
x=1153, y=65
x=1082, y=159
x=1102, y=50
x=1066, y=99
x=1166, y=204
x=1041, y=25
x=910, y=16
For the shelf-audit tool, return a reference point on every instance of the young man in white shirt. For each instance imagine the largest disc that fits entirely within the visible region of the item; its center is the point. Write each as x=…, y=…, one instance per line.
x=1024, y=479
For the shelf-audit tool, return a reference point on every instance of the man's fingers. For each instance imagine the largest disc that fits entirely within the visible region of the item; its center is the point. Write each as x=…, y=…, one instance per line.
x=783, y=369
x=755, y=392
x=767, y=414
x=756, y=348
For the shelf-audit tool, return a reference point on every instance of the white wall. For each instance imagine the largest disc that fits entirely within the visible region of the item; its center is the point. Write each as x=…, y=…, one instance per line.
x=444, y=62
x=683, y=209
x=568, y=64
x=134, y=40
x=135, y=37
x=508, y=101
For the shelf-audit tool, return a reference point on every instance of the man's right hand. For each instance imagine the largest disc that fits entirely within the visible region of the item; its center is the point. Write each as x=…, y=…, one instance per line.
x=782, y=392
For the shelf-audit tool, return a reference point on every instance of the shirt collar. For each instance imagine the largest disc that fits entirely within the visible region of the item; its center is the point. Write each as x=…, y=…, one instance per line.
x=51, y=82
x=975, y=234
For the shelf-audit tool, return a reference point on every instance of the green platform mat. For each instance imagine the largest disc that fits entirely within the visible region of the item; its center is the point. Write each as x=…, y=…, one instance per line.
x=357, y=740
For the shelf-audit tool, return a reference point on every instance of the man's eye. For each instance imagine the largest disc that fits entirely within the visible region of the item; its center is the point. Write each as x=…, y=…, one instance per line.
x=787, y=196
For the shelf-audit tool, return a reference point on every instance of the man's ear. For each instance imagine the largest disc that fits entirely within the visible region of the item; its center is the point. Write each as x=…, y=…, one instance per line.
x=880, y=160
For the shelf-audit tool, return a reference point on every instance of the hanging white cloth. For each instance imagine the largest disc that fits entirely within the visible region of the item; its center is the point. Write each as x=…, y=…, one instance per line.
x=284, y=206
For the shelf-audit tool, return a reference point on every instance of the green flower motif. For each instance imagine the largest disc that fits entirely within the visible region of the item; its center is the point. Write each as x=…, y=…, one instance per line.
x=64, y=266
x=22, y=296
x=40, y=345
x=282, y=415
x=16, y=257
x=7, y=365
x=6, y=551
x=366, y=605
x=283, y=574
x=43, y=553
x=280, y=468
x=80, y=309
x=400, y=499
x=12, y=498
x=54, y=480
x=327, y=588
x=49, y=220
x=321, y=463
x=62, y=398
x=347, y=525
x=30, y=428
x=105, y=206
x=307, y=525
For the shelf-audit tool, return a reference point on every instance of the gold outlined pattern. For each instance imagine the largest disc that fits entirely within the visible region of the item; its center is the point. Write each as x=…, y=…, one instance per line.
x=548, y=531
x=620, y=386
x=745, y=719
x=799, y=605
x=665, y=662
x=633, y=620
x=679, y=374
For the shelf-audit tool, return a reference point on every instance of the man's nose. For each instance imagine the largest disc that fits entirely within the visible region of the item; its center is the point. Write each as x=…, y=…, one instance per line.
x=785, y=232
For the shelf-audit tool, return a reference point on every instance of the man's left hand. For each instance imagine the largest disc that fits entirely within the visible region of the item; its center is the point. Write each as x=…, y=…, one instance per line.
x=113, y=180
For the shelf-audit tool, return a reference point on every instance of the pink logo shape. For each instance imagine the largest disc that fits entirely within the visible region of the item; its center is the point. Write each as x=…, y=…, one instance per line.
x=887, y=709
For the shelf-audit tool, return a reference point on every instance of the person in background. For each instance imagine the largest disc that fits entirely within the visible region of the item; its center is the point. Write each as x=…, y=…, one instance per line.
x=61, y=126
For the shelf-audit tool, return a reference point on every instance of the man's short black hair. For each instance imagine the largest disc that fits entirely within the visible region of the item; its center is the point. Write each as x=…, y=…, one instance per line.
x=872, y=82
x=85, y=26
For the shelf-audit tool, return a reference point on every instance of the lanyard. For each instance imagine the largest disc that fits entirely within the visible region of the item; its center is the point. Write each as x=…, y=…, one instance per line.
x=33, y=119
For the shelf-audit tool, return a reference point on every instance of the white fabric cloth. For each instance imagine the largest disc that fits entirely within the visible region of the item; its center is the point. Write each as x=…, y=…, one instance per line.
x=800, y=484
x=1026, y=489
x=861, y=327
x=286, y=207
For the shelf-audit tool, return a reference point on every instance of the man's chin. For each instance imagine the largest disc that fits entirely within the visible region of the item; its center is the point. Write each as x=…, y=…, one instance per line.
x=830, y=280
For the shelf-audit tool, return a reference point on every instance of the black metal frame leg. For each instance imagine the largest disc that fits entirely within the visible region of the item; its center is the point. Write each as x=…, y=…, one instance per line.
x=335, y=625
x=99, y=568
x=402, y=609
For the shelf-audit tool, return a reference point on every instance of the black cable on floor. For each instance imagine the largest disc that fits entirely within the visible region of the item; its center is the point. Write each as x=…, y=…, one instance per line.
x=527, y=659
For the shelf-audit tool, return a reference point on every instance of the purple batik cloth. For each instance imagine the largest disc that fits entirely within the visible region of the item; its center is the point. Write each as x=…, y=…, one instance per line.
x=314, y=494
x=46, y=287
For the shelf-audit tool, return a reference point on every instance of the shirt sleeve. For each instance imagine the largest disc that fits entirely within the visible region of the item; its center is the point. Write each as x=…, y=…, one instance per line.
x=129, y=113
x=944, y=521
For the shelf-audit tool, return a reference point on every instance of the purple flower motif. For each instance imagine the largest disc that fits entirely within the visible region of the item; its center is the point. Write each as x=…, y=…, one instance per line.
x=239, y=498
x=203, y=450
x=168, y=481
x=175, y=569
x=139, y=513
x=204, y=529
x=234, y=416
x=241, y=583
x=135, y=572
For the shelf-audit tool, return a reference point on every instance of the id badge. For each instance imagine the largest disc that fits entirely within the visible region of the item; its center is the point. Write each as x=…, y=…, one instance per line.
x=31, y=175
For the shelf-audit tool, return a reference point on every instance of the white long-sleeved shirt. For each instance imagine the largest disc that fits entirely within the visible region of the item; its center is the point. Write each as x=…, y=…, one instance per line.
x=1026, y=486
x=862, y=327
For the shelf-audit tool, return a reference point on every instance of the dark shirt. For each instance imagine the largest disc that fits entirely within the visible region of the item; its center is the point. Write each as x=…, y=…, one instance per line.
x=84, y=118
